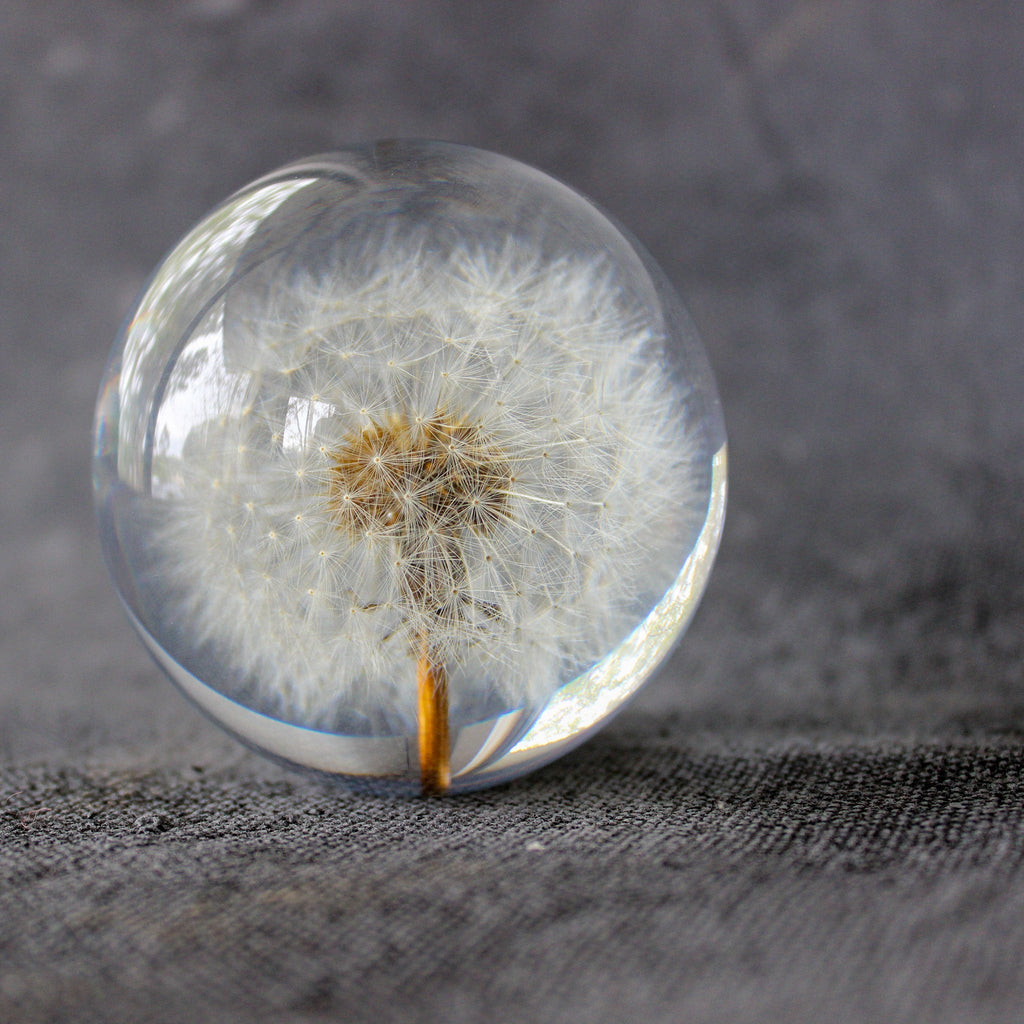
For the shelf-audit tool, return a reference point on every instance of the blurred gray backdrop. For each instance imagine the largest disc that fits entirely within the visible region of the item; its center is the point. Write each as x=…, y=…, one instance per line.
x=814, y=812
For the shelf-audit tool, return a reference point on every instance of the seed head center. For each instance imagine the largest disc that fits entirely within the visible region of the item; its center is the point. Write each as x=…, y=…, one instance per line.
x=419, y=477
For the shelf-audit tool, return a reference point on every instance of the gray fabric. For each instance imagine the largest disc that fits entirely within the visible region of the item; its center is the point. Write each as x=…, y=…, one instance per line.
x=815, y=811
x=642, y=879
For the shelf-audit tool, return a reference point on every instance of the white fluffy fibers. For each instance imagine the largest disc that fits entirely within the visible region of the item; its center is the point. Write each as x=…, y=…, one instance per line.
x=479, y=453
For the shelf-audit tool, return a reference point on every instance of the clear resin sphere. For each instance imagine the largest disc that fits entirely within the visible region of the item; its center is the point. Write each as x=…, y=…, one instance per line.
x=409, y=466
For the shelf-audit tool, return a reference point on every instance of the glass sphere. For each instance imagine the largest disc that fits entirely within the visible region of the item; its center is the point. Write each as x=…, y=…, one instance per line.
x=409, y=466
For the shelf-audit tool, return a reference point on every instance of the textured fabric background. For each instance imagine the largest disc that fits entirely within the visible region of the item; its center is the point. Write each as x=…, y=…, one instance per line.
x=817, y=810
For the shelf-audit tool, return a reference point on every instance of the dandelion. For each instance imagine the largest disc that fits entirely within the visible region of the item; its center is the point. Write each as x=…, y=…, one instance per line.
x=405, y=490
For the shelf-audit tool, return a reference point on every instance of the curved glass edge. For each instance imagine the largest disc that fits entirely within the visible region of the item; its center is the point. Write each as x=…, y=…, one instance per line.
x=193, y=273
x=387, y=759
x=586, y=704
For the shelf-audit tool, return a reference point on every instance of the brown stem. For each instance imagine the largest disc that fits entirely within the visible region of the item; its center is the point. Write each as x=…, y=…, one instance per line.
x=432, y=684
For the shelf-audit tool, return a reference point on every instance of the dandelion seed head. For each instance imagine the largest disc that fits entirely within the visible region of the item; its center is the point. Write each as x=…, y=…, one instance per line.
x=465, y=501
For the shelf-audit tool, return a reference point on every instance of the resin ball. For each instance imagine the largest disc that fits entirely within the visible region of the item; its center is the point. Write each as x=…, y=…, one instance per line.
x=409, y=466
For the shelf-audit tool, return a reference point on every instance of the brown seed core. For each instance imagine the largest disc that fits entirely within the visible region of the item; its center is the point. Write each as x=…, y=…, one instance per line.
x=406, y=478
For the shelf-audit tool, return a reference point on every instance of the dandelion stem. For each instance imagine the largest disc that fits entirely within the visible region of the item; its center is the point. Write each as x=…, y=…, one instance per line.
x=432, y=684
